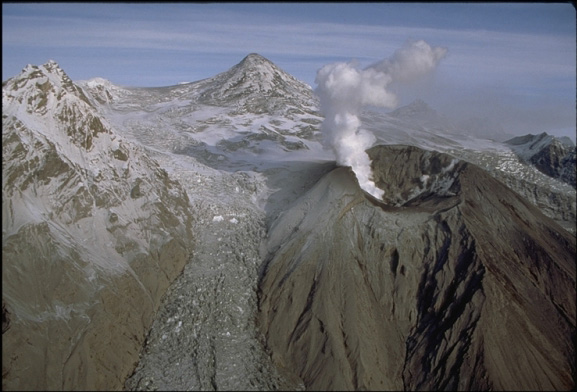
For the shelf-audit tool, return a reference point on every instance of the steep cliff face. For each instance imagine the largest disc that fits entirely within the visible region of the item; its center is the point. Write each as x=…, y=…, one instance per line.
x=93, y=232
x=452, y=281
x=553, y=156
x=558, y=161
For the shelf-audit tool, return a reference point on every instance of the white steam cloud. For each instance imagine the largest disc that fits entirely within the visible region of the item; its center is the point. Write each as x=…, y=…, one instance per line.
x=344, y=89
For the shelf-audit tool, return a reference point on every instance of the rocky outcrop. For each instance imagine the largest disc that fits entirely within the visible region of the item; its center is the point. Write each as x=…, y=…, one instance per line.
x=552, y=156
x=5, y=318
x=452, y=281
x=558, y=161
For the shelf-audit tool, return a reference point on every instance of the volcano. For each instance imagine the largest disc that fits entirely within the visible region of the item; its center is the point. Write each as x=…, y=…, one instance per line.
x=452, y=281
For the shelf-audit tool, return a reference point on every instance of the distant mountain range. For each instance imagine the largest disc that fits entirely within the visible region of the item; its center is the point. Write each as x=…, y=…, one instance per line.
x=199, y=236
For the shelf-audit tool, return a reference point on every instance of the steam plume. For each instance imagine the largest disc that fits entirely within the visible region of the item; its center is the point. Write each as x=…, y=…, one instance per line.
x=344, y=89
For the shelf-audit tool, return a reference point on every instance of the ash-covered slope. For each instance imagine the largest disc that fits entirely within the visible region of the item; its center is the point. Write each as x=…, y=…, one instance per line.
x=93, y=232
x=452, y=281
x=552, y=156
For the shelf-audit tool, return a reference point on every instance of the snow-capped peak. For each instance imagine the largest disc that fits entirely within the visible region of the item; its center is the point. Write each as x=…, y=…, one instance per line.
x=553, y=156
x=102, y=90
x=41, y=89
x=536, y=142
x=255, y=79
x=64, y=164
x=99, y=82
x=44, y=98
x=254, y=59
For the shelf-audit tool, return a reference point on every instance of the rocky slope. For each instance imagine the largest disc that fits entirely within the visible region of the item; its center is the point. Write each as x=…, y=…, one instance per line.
x=452, y=281
x=553, y=156
x=93, y=233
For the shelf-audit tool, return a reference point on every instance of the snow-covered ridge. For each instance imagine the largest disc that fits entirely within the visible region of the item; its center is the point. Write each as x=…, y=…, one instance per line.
x=41, y=89
x=93, y=232
x=528, y=145
x=101, y=90
x=63, y=164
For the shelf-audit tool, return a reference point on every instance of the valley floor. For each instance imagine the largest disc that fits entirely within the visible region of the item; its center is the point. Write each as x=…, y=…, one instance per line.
x=204, y=336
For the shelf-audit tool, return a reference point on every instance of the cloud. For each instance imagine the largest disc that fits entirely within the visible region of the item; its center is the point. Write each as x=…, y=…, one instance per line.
x=475, y=54
x=344, y=90
x=412, y=61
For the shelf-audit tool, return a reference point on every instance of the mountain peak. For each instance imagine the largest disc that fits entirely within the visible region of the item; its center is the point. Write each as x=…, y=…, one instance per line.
x=530, y=138
x=258, y=82
x=102, y=90
x=51, y=64
x=255, y=58
x=419, y=104
x=42, y=87
x=50, y=72
x=254, y=62
x=258, y=65
x=46, y=91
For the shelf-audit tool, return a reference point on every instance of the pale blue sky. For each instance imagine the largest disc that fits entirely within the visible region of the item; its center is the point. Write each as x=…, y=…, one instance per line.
x=513, y=61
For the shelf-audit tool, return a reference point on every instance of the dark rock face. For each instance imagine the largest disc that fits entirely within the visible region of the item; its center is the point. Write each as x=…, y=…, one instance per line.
x=553, y=156
x=558, y=161
x=452, y=282
x=5, y=318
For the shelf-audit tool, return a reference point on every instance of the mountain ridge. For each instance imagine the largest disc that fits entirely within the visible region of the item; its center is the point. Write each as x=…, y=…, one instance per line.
x=85, y=238
x=156, y=226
